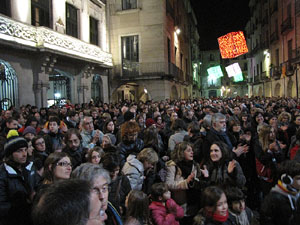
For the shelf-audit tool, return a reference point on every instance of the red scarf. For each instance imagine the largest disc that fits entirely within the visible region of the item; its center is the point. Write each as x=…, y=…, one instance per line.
x=217, y=217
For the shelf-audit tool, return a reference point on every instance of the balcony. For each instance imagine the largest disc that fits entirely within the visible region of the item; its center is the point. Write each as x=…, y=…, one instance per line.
x=295, y=58
x=264, y=76
x=275, y=72
x=287, y=25
x=170, y=9
x=287, y=68
x=45, y=39
x=274, y=37
x=138, y=71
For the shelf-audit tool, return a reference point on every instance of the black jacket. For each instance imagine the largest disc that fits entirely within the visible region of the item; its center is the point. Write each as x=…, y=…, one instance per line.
x=15, y=190
x=126, y=149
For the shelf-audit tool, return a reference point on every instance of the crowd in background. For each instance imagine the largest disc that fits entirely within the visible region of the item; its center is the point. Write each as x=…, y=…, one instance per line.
x=224, y=161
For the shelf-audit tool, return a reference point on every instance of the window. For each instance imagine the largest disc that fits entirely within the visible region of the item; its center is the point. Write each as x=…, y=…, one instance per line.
x=129, y=4
x=211, y=57
x=130, y=55
x=40, y=15
x=290, y=49
x=71, y=20
x=93, y=31
x=5, y=7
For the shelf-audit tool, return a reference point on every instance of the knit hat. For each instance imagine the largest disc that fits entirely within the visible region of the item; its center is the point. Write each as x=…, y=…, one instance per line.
x=14, y=143
x=128, y=116
x=29, y=129
x=149, y=122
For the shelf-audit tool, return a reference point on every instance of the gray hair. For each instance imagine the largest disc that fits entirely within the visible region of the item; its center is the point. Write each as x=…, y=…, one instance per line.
x=206, y=121
x=89, y=172
x=217, y=117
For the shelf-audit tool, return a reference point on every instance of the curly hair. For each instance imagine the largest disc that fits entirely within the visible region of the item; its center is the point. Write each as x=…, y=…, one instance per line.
x=129, y=127
x=178, y=154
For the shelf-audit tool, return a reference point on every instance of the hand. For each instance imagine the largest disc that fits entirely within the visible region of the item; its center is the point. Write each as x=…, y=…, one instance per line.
x=238, y=151
x=273, y=146
x=231, y=166
x=190, y=177
x=204, y=171
x=165, y=158
x=282, y=146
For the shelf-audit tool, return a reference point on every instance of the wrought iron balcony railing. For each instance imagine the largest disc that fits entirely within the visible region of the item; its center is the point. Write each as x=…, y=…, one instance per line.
x=48, y=39
x=274, y=37
x=275, y=72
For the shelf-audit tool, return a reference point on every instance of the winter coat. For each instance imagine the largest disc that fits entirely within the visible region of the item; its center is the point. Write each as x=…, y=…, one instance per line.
x=126, y=149
x=77, y=157
x=200, y=219
x=15, y=190
x=218, y=175
x=134, y=170
x=120, y=187
x=280, y=208
x=166, y=214
x=87, y=138
x=176, y=138
x=53, y=141
x=179, y=186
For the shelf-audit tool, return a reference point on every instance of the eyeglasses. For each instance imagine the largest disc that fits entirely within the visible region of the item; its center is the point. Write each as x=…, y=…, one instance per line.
x=102, y=190
x=64, y=164
x=40, y=143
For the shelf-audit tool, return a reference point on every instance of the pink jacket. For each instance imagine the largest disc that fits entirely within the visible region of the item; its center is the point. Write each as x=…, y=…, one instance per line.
x=166, y=215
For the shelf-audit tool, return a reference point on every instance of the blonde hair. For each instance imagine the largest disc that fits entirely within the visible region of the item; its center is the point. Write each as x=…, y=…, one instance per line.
x=284, y=114
x=263, y=137
x=149, y=155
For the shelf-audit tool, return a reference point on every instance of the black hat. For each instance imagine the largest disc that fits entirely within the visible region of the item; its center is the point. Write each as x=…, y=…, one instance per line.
x=13, y=144
x=128, y=116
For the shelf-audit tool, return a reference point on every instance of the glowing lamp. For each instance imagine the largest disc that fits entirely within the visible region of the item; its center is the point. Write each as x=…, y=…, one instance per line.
x=233, y=70
x=232, y=45
x=215, y=71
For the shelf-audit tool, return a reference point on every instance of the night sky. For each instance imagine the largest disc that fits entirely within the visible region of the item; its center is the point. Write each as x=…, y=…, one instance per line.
x=218, y=17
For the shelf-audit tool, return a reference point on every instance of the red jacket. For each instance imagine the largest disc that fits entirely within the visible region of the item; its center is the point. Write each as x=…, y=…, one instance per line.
x=166, y=215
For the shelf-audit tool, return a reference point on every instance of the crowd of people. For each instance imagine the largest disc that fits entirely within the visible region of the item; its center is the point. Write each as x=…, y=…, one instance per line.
x=229, y=161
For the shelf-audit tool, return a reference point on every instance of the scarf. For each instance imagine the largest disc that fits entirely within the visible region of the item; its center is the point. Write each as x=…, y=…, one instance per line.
x=185, y=167
x=217, y=217
x=242, y=218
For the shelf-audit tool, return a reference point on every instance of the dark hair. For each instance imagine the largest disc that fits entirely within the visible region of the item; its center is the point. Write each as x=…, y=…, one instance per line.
x=110, y=161
x=157, y=190
x=35, y=139
x=138, y=206
x=151, y=138
x=105, y=126
x=210, y=196
x=52, y=159
x=234, y=194
x=54, y=119
x=194, y=127
x=30, y=120
x=72, y=113
x=289, y=167
x=57, y=205
x=70, y=132
x=178, y=124
x=224, y=149
x=95, y=149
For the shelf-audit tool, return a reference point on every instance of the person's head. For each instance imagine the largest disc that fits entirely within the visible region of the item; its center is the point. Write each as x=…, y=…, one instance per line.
x=178, y=125
x=207, y=122
x=174, y=116
x=218, y=121
x=94, y=155
x=129, y=131
x=137, y=204
x=284, y=118
x=70, y=202
x=74, y=116
x=158, y=120
x=32, y=121
x=160, y=192
x=272, y=120
x=266, y=135
x=183, y=152
x=11, y=123
x=38, y=143
x=15, y=148
x=289, y=175
x=214, y=201
x=297, y=120
x=53, y=124
x=73, y=139
x=29, y=133
x=57, y=166
x=219, y=152
x=99, y=178
x=236, y=199
x=236, y=110
x=111, y=162
x=259, y=117
x=193, y=128
x=87, y=124
x=108, y=127
x=235, y=126
x=148, y=157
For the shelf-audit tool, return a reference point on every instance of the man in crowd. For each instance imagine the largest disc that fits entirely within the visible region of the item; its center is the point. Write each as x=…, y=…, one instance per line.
x=90, y=136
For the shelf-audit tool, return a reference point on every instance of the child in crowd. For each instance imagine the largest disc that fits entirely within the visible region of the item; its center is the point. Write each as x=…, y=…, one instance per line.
x=239, y=213
x=137, y=204
x=164, y=210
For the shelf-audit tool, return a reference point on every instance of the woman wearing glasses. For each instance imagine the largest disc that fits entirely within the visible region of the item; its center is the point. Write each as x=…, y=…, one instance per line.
x=57, y=167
